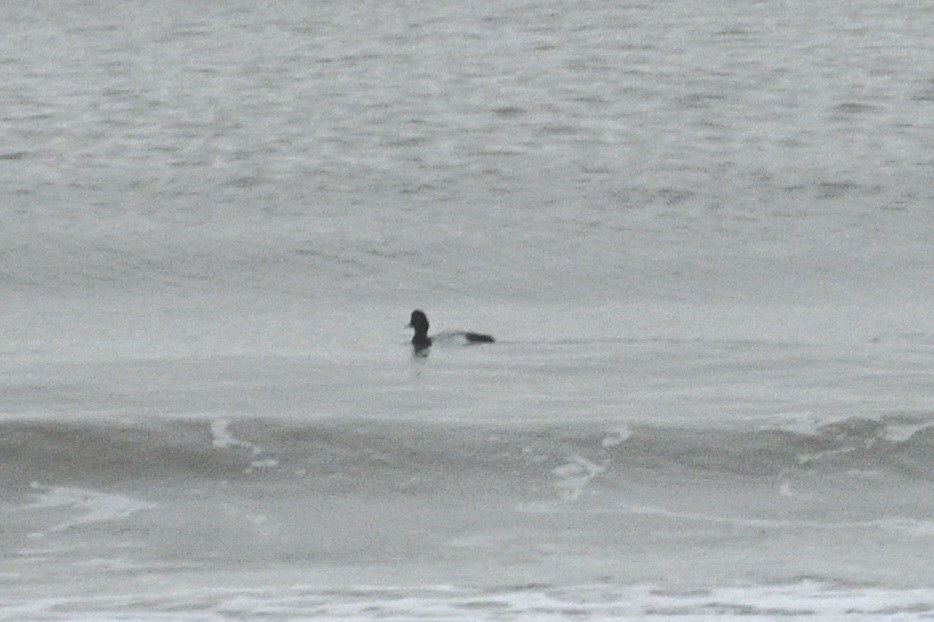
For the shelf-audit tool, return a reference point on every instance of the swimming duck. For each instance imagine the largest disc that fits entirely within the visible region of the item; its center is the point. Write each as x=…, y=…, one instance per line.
x=421, y=341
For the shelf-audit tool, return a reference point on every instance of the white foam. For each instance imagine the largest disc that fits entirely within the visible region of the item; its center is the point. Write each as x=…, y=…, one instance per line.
x=223, y=439
x=92, y=506
x=616, y=437
x=808, y=424
x=804, y=423
x=909, y=526
x=804, y=459
x=575, y=476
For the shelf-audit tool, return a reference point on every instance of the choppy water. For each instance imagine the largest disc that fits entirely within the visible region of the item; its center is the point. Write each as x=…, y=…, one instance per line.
x=701, y=234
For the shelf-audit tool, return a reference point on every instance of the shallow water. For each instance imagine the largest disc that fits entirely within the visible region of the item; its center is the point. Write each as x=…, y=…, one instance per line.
x=700, y=235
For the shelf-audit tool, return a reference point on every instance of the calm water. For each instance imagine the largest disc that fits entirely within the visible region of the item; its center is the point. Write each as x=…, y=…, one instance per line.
x=700, y=233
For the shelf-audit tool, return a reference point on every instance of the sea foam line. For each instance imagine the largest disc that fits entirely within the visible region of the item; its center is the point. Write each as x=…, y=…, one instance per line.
x=535, y=603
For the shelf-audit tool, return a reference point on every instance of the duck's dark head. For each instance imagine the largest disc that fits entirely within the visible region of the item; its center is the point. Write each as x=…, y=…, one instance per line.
x=419, y=321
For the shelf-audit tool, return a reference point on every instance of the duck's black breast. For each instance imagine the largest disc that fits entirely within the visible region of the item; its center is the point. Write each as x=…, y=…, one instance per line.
x=420, y=342
x=419, y=322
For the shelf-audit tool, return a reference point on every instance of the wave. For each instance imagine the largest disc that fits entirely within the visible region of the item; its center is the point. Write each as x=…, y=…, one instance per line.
x=560, y=504
x=391, y=453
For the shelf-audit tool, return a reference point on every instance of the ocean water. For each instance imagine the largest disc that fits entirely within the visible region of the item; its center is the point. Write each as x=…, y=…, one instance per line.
x=700, y=232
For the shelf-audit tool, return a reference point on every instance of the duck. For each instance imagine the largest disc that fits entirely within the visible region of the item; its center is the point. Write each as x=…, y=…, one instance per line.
x=421, y=341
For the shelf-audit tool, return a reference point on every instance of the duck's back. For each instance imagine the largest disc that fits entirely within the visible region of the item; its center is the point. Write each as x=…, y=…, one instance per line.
x=478, y=338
